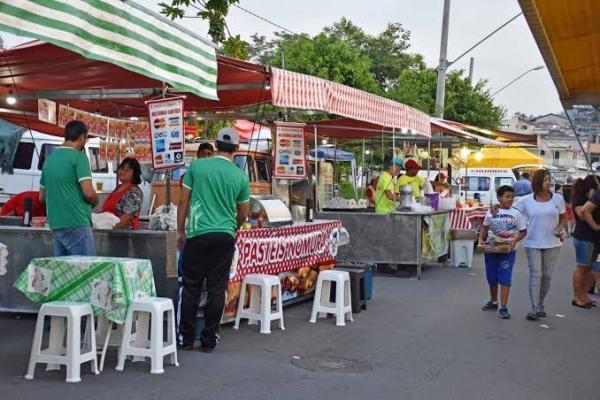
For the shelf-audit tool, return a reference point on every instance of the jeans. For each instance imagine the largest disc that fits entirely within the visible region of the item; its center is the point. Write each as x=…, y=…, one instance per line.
x=541, y=264
x=74, y=242
x=499, y=268
x=207, y=257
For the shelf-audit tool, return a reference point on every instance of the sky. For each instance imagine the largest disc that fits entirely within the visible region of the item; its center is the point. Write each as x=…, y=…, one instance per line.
x=499, y=60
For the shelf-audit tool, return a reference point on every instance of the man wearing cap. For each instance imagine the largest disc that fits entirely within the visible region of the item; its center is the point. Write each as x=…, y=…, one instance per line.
x=411, y=177
x=385, y=193
x=214, y=200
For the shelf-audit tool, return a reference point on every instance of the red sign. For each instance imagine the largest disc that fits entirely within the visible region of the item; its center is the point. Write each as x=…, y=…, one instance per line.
x=296, y=254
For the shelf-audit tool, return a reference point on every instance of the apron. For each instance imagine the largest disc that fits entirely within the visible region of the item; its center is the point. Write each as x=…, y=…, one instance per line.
x=110, y=205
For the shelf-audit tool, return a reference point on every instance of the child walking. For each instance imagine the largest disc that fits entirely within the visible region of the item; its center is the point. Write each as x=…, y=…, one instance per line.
x=505, y=227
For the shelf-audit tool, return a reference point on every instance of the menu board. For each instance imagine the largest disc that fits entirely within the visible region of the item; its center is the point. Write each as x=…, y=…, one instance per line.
x=167, y=136
x=290, y=157
x=47, y=111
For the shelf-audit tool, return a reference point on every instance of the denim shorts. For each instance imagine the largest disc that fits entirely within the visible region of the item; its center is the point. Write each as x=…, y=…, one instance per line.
x=499, y=267
x=585, y=254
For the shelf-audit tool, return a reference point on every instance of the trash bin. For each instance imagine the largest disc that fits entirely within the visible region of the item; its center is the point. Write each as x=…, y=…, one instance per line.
x=461, y=247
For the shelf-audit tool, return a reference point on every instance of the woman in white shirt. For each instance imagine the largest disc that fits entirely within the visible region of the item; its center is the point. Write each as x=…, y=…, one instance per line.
x=547, y=218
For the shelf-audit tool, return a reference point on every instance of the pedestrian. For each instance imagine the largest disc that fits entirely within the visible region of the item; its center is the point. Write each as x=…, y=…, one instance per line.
x=66, y=189
x=215, y=201
x=506, y=226
x=546, y=220
x=585, y=240
x=523, y=185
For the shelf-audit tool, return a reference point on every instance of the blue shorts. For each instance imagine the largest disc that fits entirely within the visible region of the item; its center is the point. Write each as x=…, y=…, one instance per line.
x=585, y=254
x=498, y=268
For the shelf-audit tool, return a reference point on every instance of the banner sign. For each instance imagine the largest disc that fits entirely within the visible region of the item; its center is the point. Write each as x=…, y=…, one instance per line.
x=290, y=157
x=296, y=254
x=47, y=111
x=166, y=132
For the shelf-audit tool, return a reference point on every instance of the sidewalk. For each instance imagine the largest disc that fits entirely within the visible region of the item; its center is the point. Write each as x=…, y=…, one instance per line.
x=418, y=340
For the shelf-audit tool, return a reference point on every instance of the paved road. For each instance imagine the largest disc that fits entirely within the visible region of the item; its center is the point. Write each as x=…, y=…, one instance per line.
x=418, y=340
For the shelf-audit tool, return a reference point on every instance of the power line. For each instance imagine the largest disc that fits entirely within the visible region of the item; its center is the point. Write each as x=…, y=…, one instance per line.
x=265, y=19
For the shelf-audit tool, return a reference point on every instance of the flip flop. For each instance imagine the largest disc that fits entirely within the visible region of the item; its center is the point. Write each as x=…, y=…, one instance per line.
x=587, y=306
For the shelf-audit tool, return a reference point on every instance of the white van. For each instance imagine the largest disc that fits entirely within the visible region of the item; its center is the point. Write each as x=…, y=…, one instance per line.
x=482, y=183
x=32, y=151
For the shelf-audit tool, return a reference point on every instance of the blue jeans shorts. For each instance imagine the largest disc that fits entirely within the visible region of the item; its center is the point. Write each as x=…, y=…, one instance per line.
x=74, y=242
x=585, y=254
x=499, y=267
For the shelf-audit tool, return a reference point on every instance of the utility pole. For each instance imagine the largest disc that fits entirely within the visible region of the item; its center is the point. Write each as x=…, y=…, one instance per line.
x=440, y=93
x=471, y=65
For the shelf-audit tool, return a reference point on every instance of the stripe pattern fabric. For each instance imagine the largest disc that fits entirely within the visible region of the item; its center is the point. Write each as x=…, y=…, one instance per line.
x=459, y=220
x=121, y=34
x=294, y=90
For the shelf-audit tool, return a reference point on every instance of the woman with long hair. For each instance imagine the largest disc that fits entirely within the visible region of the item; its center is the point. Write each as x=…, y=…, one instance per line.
x=547, y=218
x=584, y=240
x=125, y=201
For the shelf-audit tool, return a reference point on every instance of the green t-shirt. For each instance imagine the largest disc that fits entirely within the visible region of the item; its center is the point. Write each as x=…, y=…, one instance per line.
x=383, y=205
x=63, y=171
x=415, y=181
x=217, y=187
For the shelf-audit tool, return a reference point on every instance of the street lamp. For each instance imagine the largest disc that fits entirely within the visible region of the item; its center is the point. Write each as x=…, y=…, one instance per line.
x=517, y=78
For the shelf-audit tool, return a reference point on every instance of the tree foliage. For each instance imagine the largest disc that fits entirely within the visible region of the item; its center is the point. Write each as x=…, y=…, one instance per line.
x=213, y=11
x=380, y=64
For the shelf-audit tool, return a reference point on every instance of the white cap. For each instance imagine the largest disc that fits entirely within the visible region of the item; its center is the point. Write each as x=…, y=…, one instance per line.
x=228, y=135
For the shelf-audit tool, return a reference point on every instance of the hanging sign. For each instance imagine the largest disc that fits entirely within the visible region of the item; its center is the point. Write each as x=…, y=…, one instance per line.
x=290, y=157
x=47, y=111
x=167, y=135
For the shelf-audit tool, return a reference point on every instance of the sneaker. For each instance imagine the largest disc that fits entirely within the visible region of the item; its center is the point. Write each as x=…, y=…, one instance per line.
x=185, y=346
x=503, y=313
x=541, y=314
x=532, y=316
x=490, y=306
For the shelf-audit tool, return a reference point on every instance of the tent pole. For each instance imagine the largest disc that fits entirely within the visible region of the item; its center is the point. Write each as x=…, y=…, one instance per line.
x=429, y=160
x=363, y=176
x=316, y=206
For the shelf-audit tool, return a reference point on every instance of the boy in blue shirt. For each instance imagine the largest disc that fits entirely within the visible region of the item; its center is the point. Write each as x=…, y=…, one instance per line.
x=505, y=227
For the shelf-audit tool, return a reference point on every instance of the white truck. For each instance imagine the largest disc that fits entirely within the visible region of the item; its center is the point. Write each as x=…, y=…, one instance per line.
x=482, y=183
x=33, y=149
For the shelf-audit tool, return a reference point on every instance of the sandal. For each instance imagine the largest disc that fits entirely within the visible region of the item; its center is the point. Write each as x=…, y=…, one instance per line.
x=587, y=306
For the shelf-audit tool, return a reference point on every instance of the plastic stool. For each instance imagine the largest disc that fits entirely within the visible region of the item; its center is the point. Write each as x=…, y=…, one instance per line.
x=357, y=288
x=155, y=348
x=322, y=305
x=56, y=354
x=260, y=308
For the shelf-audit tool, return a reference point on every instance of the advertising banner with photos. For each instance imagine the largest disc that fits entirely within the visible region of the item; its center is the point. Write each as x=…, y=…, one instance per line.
x=166, y=132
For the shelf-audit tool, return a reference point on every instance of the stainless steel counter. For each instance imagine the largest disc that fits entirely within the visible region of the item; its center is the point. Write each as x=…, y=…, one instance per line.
x=25, y=244
x=383, y=238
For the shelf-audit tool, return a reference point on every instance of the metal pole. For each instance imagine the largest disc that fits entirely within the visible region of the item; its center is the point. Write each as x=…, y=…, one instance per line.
x=585, y=154
x=443, y=65
x=471, y=65
x=316, y=168
x=363, y=176
x=516, y=79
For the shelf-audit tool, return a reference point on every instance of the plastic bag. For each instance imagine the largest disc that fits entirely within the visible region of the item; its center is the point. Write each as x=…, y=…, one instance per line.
x=164, y=219
x=104, y=220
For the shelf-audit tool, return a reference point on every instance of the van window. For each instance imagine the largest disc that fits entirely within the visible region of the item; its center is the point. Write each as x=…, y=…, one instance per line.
x=245, y=164
x=477, y=183
x=501, y=181
x=23, y=156
x=47, y=149
x=263, y=170
x=98, y=164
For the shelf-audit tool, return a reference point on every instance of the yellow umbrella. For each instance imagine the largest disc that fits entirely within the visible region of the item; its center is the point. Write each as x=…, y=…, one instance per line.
x=503, y=157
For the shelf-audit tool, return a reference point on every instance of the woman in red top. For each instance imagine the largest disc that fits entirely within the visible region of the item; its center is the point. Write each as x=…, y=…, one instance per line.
x=15, y=206
x=125, y=201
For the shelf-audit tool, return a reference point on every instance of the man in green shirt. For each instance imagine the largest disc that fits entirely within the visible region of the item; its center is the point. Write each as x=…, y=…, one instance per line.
x=215, y=202
x=385, y=194
x=66, y=189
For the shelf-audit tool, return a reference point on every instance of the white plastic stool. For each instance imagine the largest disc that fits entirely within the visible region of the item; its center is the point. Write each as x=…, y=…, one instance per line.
x=56, y=354
x=342, y=306
x=105, y=335
x=260, y=302
x=155, y=348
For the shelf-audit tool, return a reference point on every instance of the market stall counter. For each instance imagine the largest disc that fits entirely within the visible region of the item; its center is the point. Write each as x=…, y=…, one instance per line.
x=401, y=237
x=296, y=253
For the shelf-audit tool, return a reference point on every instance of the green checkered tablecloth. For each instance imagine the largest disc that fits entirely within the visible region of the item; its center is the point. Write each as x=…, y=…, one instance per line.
x=109, y=284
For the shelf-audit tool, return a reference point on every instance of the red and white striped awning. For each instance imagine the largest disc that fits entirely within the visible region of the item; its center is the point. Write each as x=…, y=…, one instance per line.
x=294, y=90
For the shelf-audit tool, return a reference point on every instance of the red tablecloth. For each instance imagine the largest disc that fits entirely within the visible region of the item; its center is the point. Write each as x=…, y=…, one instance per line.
x=468, y=218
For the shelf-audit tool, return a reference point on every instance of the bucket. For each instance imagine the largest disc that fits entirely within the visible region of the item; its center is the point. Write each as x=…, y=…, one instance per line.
x=462, y=253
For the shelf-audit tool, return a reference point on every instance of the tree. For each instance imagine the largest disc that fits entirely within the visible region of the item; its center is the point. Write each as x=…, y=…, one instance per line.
x=213, y=11
x=464, y=102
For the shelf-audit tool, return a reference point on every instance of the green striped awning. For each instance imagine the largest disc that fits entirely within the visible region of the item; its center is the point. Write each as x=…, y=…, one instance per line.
x=121, y=34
